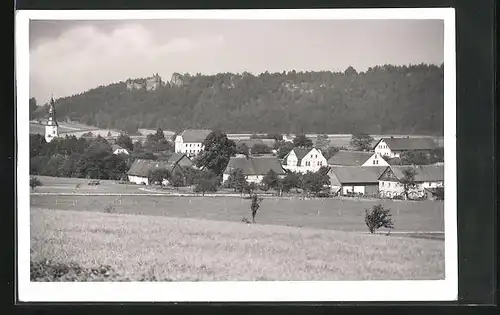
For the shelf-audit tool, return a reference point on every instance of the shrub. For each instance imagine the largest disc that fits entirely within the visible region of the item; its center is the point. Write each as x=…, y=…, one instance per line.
x=439, y=193
x=47, y=271
x=378, y=217
x=35, y=182
x=109, y=209
x=245, y=220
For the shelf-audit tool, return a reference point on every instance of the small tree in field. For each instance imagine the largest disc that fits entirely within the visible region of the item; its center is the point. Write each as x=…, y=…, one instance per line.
x=255, y=205
x=34, y=182
x=378, y=217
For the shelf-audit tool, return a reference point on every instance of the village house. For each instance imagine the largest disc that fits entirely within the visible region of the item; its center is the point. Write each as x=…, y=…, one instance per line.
x=303, y=160
x=139, y=170
x=190, y=141
x=118, y=150
x=427, y=178
x=358, y=180
x=254, y=168
x=393, y=147
x=356, y=158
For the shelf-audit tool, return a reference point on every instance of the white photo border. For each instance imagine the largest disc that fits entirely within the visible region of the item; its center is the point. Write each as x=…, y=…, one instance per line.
x=236, y=291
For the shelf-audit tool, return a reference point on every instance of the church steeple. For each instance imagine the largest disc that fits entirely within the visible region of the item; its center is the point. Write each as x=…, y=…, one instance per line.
x=51, y=128
x=52, y=120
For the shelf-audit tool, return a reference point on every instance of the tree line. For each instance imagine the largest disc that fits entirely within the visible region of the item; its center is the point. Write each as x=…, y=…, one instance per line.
x=93, y=157
x=382, y=100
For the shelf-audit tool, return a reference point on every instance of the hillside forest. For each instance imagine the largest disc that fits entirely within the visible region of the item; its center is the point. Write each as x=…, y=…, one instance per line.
x=382, y=100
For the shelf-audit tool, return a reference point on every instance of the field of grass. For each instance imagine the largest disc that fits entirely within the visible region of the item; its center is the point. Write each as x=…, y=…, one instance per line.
x=40, y=129
x=332, y=214
x=69, y=185
x=170, y=249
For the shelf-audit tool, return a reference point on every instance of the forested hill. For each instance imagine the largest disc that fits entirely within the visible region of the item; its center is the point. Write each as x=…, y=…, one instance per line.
x=382, y=100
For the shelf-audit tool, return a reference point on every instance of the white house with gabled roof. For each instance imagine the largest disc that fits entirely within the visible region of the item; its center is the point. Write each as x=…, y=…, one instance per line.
x=303, y=160
x=190, y=141
x=393, y=147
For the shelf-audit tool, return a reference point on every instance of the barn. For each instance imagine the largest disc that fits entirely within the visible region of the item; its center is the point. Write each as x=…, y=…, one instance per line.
x=254, y=168
x=356, y=180
x=139, y=170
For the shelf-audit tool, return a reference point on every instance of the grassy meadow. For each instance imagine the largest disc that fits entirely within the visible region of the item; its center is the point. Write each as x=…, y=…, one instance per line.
x=182, y=249
x=332, y=214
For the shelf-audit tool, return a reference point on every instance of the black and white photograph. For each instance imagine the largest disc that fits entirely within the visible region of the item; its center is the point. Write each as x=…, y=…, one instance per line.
x=237, y=155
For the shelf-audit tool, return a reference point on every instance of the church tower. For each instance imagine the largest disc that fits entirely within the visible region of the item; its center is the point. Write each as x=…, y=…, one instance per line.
x=51, y=128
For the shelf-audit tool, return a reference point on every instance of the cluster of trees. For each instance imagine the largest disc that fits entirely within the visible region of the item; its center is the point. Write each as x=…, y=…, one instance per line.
x=92, y=157
x=422, y=158
x=314, y=183
x=73, y=157
x=202, y=180
x=382, y=100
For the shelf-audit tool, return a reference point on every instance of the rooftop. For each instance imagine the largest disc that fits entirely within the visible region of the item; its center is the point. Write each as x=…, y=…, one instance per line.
x=406, y=144
x=424, y=173
x=195, y=135
x=142, y=167
x=254, y=165
x=349, y=158
x=358, y=174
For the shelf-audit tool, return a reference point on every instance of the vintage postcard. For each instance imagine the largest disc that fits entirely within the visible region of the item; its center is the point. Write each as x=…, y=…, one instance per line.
x=236, y=155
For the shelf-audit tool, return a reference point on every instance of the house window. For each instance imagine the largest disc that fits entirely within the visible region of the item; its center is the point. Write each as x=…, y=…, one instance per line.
x=382, y=184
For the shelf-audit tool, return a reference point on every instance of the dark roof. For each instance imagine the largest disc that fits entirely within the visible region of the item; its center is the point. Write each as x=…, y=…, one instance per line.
x=301, y=152
x=142, y=167
x=255, y=165
x=358, y=174
x=176, y=157
x=195, y=135
x=407, y=144
x=424, y=173
x=349, y=158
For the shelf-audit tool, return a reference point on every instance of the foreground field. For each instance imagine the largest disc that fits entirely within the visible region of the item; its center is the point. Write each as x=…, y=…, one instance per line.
x=332, y=214
x=199, y=250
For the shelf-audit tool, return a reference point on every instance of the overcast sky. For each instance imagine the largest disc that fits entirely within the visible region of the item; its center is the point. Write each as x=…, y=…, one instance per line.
x=69, y=57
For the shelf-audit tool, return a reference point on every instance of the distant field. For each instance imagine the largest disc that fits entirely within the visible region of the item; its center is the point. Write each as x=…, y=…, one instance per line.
x=332, y=214
x=169, y=249
x=338, y=140
x=36, y=128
